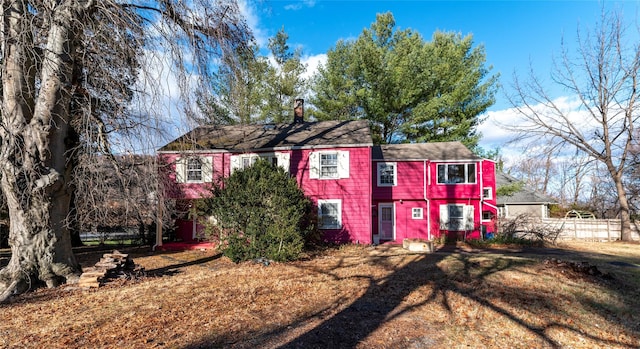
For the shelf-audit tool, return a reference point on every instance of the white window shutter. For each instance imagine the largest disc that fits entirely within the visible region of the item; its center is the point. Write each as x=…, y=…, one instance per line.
x=444, y=217
x=468, y=218
x=314, y=165
x=235, y=163
x=284, y=159
x=207, y=169
x=181, y=170
x=343, y=164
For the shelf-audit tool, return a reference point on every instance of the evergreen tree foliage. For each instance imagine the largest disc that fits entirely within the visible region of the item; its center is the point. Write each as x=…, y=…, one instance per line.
x=256, y=89
x=410, y=90
x=260, y=213
x=237, y=95
x=284, y=82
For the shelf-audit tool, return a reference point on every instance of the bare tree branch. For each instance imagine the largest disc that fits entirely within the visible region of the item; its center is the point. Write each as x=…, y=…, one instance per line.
x=602, y=77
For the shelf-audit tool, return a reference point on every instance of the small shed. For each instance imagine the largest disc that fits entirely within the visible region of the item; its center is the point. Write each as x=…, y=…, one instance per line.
x=521, y=201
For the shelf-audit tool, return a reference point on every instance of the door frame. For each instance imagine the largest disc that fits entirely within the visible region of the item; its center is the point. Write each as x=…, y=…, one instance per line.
x=393, y=219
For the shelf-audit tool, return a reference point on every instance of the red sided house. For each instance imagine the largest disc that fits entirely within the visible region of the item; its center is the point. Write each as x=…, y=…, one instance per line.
x=424, y=190
x=364, y=193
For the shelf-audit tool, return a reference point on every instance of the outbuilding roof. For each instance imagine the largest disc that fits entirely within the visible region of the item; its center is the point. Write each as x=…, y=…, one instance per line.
x=522, y=196
x=243, y=138
x=440, y=151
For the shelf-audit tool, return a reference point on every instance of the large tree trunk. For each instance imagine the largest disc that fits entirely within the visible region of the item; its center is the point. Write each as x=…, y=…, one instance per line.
x=625, y=217
x=34, y=157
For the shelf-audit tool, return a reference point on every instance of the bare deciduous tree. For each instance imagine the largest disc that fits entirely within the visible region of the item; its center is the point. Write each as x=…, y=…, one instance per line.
x=68, y=72
x=572, y=187
x=537, y=168
x=602, y=75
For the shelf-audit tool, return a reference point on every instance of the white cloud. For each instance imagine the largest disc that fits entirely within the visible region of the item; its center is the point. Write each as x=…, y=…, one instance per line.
x=493, y=133
x=299, y=5
x=501, y=127
x=249, y=12
x=312, y=63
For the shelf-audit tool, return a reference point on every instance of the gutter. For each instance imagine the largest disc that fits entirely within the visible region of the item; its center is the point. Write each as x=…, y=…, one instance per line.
x=490, y=205
x=427, y=181
x=266, y=149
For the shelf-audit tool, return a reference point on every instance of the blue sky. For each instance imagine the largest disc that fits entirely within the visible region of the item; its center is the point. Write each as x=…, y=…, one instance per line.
x=515, y=34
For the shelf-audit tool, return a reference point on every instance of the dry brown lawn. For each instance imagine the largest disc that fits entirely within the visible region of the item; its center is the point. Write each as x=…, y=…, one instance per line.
x=349, y=297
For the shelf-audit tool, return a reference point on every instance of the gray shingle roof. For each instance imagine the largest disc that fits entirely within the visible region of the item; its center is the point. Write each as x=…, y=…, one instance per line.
x=522, y=196
x=243, y=138
x=444, y=151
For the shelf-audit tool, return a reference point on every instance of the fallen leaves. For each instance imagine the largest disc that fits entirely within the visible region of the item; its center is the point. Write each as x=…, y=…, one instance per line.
x=376, y=297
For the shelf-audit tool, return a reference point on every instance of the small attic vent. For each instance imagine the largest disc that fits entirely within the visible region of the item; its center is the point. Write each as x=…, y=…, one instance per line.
x=269, y=127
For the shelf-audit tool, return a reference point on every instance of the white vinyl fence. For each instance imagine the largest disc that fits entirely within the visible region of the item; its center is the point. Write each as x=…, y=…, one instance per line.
x=590, y=229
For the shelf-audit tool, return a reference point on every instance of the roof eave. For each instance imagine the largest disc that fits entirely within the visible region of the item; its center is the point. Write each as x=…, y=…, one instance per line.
x=253, y=150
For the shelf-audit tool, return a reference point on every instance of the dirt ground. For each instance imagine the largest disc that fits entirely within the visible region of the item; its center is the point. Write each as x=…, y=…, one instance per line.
x=579, y=295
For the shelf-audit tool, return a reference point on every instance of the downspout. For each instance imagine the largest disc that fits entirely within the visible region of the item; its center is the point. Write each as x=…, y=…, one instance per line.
x=427, y=181
x=371, y=195
x=481, y=206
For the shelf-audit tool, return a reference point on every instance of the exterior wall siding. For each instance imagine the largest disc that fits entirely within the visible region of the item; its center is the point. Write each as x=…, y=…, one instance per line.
x=361, y=196
x=405, y=225
x=470, y=194
x=354, y=191
x=175, y=190
x=439, y=231
x=409, y=192
x=490, y=204
x=410, y=182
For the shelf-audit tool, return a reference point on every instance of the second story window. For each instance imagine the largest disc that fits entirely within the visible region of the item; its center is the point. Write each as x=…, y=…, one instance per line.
x=243, y=161
x=457, y=173
x=329, y=165
x=194, y=170
x=248, y=160
x=386, y=174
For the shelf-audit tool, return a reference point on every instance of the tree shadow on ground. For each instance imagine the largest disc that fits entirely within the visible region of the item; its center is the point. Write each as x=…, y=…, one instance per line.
x=179, y=264
x=89, y=255
x=382, y=301
x=443, y=283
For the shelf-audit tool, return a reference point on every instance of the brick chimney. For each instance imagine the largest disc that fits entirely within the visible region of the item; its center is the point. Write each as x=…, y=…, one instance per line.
x=298, y=111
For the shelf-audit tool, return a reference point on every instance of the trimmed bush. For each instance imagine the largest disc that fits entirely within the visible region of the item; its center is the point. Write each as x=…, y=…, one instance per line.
x=259, y=213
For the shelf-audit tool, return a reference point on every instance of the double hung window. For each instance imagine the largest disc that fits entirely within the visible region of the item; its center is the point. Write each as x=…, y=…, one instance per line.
x=329, y=165
x=330, y=214
x=387, y=174
x=194, y=170
x=456, y=217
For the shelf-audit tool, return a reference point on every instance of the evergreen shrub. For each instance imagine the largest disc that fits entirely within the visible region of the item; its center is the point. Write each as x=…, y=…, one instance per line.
x=259, y=212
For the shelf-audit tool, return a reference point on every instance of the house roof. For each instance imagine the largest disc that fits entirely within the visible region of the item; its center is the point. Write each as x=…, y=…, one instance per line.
x=449, y=151
x=522, y=196
x=271, y=136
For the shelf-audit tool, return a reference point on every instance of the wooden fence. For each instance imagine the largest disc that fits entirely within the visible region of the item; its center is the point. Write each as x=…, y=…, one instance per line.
x=590, y=229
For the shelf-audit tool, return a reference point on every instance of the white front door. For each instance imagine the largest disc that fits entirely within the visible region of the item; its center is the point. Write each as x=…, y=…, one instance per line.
x=386, y=222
